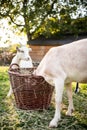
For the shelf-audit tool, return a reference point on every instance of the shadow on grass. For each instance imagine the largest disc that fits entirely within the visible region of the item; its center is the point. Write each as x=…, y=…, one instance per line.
x=12, y=118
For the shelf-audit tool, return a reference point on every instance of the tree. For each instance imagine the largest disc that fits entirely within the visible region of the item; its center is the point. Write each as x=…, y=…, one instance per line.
x=30, y=15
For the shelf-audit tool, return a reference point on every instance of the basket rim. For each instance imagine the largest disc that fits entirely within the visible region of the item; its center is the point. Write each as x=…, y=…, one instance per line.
x=21, y=75
x=11, y=72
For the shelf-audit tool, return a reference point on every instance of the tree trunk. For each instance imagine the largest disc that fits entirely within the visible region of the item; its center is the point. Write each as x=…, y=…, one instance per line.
x=26, y=20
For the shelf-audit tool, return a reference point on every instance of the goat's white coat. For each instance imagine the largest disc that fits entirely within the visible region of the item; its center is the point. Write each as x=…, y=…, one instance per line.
x=23, y=59
x=26, y=64
x=61, y=66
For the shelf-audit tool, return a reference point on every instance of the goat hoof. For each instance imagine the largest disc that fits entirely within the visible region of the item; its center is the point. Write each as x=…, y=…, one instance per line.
x=69, y=113
x=8, y=95
x=53, y=124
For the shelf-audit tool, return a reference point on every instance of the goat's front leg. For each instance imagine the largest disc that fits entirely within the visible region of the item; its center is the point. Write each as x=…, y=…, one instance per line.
x=69, y=94
x=10, y=92
x=59, y=85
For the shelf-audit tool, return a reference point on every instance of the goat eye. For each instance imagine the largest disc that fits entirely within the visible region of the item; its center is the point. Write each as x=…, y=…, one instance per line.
x=22, y=51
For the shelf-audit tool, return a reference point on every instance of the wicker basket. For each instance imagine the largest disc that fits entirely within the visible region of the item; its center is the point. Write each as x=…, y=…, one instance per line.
x=31, y=92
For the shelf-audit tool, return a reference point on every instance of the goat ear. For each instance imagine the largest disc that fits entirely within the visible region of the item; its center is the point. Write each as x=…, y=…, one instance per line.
x=17, y=48
x=30, y=49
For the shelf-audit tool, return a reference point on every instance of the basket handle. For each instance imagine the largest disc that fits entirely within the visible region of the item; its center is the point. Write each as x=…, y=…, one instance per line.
x=13, y=65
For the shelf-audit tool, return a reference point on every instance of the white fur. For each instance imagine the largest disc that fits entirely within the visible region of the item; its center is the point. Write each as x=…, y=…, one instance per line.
x=23, y=59
x=26, y=64
x=60, y=67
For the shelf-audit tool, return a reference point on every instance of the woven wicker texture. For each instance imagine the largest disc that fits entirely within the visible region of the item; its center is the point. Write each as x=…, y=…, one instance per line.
x=31, y=92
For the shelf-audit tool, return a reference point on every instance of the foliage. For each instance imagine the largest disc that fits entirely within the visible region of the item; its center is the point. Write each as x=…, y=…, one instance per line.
x=54, y=28
x=12, y=118
x=35, y=17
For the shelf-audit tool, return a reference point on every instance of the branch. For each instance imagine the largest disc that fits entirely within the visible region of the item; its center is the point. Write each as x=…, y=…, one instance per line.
x=7, y=15
x=14, y=22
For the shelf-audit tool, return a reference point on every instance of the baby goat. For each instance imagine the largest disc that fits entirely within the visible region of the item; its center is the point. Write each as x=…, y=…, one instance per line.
x=23, y=59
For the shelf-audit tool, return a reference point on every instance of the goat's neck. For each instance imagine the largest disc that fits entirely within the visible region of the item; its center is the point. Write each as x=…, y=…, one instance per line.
x=15, y=60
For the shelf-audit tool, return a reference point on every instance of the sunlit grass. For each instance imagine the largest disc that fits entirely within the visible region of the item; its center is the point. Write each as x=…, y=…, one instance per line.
x=12, y=118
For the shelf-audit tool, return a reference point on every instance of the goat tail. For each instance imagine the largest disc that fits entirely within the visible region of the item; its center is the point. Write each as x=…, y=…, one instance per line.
x=77, y=87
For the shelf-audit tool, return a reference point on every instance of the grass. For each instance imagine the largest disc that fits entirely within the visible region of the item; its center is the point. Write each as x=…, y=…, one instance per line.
x=12, y=118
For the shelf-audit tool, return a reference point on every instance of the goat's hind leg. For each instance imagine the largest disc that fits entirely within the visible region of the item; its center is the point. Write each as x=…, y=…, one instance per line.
x=70, y=99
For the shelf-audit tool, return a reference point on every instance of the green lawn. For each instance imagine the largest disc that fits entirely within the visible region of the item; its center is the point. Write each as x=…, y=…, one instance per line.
x=13, y=119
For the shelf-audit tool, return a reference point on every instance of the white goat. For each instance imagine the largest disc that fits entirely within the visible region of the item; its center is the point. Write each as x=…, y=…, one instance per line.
x=23, y=59
x=61, y=66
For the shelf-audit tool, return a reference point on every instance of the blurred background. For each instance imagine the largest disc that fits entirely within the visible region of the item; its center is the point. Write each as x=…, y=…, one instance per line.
x=24, y=21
